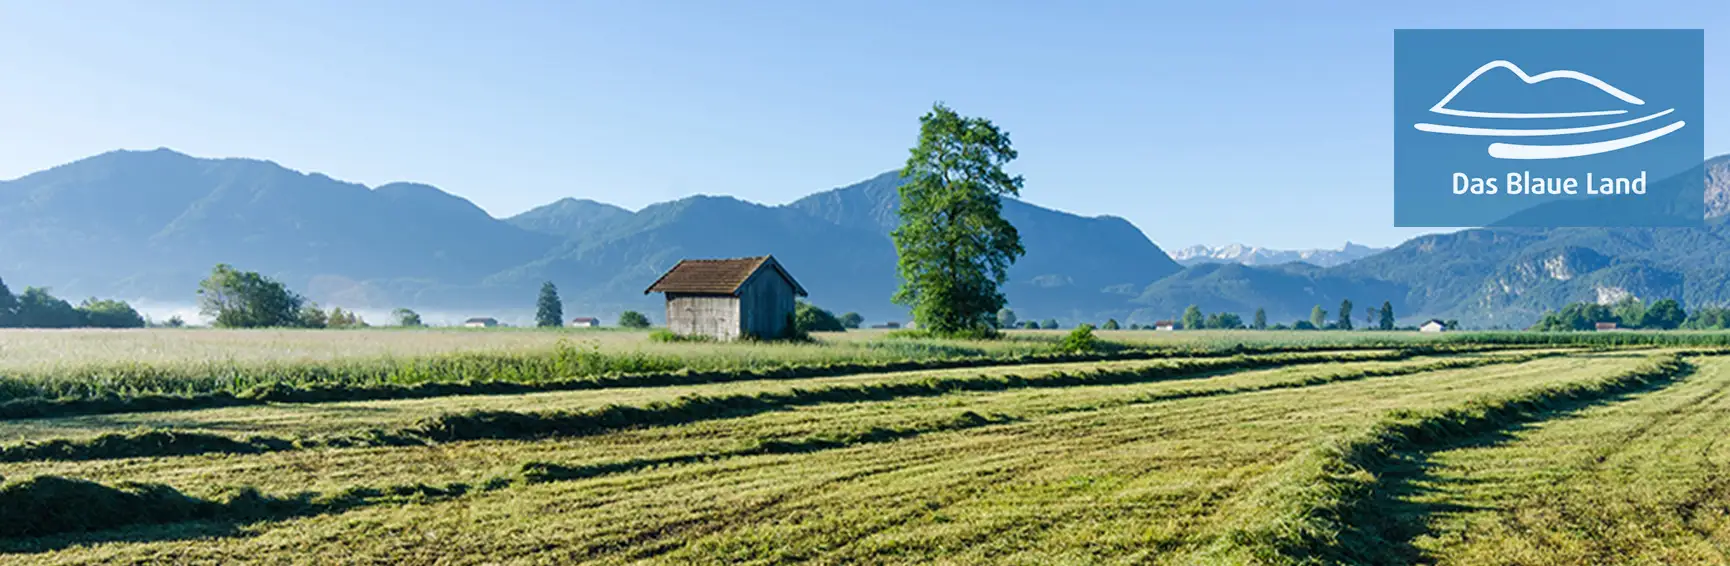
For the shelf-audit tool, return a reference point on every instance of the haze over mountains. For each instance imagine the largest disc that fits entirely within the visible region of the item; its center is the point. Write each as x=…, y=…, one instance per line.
x=150, y=224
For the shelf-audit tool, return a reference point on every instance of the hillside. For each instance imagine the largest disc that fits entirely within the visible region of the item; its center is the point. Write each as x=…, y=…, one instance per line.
x=837, y=243
x=147, y=225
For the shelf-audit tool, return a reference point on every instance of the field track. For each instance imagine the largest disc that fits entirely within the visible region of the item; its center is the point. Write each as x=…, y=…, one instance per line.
x=1264, y=458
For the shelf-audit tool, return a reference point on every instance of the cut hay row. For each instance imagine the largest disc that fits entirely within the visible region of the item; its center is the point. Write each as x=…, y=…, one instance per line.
x=1645, y=481
x=51, y=505
x=1049, y=485
x=1324, y=509
x=494, y=425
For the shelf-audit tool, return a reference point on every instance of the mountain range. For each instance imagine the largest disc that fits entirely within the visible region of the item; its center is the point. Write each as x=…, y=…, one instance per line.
x=1253, y=255
x=148, y=225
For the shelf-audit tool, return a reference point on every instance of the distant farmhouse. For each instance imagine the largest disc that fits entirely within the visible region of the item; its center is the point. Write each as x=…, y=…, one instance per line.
x=481, y=322
x=1433, y=325
x=1164, y=325
x=584, y=322
x=1607, y=326
x=727, y=299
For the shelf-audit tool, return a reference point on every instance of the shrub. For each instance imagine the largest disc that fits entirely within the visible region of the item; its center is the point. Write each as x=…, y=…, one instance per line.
x=633, y=319
x=664, y=335
x=1080, y=340
x=811, y=318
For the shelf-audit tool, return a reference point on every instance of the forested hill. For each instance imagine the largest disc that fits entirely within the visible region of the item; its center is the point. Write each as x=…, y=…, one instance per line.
x=150, y=224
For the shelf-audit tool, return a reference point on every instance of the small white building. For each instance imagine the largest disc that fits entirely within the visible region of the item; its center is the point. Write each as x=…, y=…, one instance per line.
x=1164, y=326
x=481, y=322
x=1433, y=325
x=584, y=322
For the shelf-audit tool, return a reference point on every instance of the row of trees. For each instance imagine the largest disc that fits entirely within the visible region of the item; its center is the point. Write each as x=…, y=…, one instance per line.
x=1381, y=318
x=1664, y=314
x=1194, y=319
x=246, y=299
x=37, y=308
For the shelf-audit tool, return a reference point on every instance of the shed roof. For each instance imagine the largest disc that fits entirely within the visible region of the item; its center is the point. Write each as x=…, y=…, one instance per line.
x=717, y=276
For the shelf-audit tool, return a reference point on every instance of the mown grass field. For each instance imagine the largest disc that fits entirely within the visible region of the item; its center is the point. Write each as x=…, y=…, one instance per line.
x=1164, y=448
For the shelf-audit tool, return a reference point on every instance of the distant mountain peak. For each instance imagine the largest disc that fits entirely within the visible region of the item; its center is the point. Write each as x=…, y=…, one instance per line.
x=1255, y=255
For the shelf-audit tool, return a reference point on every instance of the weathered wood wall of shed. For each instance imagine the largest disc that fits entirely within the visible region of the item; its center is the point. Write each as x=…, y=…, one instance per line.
x=715, y=316
x=766, y=304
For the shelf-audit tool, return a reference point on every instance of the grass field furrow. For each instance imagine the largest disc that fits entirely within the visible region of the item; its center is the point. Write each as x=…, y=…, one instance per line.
x=1332, y=504
x=1124, y=476
x=1153, y=448
x=1646, y=481
x=308, y=419
x=723, y=436
x=494, y=425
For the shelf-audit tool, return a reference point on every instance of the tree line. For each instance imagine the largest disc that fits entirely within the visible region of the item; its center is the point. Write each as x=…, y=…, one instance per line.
x=1632, y=313
x=37, y=308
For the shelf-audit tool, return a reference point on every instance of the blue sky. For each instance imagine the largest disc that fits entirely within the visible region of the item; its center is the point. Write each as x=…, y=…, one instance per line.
x=1267, y=123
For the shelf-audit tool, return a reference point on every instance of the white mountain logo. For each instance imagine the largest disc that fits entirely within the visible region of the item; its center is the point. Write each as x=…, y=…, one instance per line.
x=1502, y=150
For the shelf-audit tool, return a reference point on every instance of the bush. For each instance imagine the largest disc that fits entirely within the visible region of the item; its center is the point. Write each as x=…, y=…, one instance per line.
x=811, y=318
x=1049, y=324
x=633, y=319
x=664, y=335
x=1080, y=340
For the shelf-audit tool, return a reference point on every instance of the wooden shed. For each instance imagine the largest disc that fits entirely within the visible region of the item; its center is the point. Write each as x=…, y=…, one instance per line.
x=727, y=299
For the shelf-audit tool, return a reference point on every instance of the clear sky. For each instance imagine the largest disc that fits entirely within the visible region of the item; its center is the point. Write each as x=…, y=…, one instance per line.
x=1266, y=123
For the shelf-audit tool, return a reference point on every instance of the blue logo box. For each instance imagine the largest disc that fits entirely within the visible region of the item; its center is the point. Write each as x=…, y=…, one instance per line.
x=1549, y=128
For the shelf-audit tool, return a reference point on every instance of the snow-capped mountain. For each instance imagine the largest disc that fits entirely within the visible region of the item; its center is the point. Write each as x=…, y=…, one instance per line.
x=1253, y=255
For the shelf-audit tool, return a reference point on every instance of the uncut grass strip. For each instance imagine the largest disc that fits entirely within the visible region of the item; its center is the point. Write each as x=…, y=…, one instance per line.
x=497, y=425
x=282, y=392
x=53, y=505
x=1324, y=509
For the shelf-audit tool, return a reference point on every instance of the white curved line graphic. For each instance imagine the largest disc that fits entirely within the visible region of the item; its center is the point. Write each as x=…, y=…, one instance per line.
x=1465, y=131
x=1518, y=151
x=1441, y=107
x=1476, y=114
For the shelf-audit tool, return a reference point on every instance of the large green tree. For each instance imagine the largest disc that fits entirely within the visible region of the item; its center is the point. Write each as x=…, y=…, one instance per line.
x=1193, y=319
x=37, y=308
x=1260, y=319
x=1318, y=317
x=1387, y=318
x=955, y=247
x=1666, y=314
x=549, y=310
x=110, y=314
x=245, y=299
x=1345, y=322
x=406, y=317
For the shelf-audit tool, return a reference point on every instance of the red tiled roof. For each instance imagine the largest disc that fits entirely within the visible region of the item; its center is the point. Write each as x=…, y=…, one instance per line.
x=716, y=276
